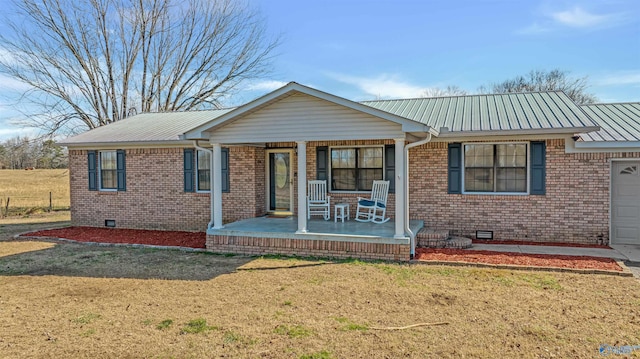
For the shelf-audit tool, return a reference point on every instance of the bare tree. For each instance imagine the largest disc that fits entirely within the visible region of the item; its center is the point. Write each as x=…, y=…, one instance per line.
x=92, y=62
x=438, y=92
x=24, y=152
x=575, y=88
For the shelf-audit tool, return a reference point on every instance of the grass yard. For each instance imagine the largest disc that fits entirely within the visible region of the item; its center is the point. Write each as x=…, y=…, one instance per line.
x=79, y=301
x=29, y=190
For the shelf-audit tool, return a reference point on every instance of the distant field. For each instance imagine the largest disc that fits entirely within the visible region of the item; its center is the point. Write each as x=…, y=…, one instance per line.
x=28, y=191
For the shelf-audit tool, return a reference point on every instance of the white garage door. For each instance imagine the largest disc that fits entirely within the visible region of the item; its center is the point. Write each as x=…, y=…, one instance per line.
x=625, y=202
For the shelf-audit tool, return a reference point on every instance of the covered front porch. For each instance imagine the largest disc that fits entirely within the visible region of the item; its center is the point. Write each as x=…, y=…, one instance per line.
x=279, y=235
x=305, y=135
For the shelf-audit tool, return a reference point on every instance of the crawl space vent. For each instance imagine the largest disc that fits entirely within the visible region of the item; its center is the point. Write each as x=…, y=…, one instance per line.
x=110, y=223
x=484, y=234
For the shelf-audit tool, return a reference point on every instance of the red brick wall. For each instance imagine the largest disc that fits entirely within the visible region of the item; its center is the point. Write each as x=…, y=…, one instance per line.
x=155, y=197
x=574, y=209
x=306, y=247
x=341, y=197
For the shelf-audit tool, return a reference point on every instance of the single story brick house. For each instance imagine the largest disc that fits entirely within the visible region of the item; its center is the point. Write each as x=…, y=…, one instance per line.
x=527, y=166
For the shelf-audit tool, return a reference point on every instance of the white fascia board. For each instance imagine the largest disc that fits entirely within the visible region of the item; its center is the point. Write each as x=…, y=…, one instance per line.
x=445, y=133
x=407, y=125
x=123, y=145
x=572, y=146
x=529, y=137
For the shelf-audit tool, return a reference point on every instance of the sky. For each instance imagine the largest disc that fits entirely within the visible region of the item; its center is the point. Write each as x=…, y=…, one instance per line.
x=363, y=50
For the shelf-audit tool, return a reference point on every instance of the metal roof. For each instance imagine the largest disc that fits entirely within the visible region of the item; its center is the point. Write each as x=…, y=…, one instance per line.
x=147, y=127
x=618, y=121
x=495, y=114
x=552, y=110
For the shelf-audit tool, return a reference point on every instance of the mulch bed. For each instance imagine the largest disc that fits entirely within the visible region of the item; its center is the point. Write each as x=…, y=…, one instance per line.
x=129, y=236
x=198, y=239
x=532, y=243
x=519, y=259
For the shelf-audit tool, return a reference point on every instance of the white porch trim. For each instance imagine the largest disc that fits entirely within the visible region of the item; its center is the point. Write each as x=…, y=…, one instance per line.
x=302, y=186
x=216, y=188
x=400, y=195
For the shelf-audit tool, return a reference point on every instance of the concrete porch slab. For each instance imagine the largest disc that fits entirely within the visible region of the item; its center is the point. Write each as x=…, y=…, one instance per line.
x=318, y=229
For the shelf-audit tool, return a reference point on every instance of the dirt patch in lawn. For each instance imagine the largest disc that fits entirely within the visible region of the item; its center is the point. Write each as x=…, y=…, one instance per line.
x=68, y=300
x=519, y=259
x=130, y=236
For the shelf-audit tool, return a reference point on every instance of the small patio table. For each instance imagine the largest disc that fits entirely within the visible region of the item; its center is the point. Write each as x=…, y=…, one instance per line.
x=344, y=212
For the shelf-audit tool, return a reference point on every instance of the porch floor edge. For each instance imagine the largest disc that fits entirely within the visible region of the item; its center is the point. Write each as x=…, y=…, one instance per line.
x=285, y=228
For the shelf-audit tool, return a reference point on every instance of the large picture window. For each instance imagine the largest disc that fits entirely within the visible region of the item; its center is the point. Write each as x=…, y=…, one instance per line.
x=355, y=169
x=204, y=170
x=108, y=165
x=495, y=168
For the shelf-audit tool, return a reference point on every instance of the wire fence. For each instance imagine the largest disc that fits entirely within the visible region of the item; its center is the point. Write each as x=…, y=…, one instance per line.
x=11, y=205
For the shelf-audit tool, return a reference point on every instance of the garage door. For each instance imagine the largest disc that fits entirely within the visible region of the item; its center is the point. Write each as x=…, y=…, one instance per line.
x=625, y=203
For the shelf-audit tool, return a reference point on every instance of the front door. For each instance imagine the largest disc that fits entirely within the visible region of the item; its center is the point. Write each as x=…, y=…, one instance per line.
x=279, y=181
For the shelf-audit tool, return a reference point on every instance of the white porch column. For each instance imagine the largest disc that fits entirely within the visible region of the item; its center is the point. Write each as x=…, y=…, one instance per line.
x=216, y=188
x=400, y=195
x=302, y=186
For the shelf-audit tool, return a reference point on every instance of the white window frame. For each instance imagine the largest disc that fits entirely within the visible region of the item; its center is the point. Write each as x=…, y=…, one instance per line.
x=197, y=175
x=528, y=175
x=330, y=169
x=99, y=174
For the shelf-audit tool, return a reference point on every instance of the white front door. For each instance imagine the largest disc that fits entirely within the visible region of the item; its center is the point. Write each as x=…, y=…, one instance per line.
x=279, y=181
x=625, y=202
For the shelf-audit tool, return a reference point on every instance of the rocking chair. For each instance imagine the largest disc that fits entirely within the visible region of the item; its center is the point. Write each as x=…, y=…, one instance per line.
x=374, y=209
x=318, y=203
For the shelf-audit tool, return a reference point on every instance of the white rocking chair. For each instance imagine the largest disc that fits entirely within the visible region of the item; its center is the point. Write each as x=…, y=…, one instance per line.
x=318, y=203
x=374, y=209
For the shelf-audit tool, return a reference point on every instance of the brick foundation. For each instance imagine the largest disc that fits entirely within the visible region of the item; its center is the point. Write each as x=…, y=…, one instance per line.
x=307, y=247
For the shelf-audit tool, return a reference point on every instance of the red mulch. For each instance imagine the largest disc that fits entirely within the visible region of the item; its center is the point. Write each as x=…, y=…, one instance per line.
x=197, y=240
x=130, y=236
x=531, y=243
x=521, y=259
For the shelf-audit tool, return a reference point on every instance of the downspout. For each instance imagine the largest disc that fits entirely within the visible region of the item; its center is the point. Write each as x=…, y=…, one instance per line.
x=407, y=228
x=195, y=144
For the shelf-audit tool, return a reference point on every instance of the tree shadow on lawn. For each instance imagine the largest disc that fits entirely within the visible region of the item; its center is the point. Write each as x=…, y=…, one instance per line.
x=41, y=258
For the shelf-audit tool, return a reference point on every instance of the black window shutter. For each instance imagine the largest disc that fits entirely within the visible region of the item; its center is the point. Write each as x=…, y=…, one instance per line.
x=225, y=170
x=538, y=167
x=92, y=159
x=189, y=173
x=390, y=166
x=322, y=163
x=455, y=168
x=121, y=170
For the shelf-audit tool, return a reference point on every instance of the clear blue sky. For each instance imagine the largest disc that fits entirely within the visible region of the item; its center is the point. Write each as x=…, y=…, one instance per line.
x=392, y=49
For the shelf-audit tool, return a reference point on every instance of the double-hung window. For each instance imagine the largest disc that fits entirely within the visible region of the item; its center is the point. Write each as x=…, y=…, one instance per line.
x=204, y=170
x=355, y=168
x=108, y=164
x=495, y=168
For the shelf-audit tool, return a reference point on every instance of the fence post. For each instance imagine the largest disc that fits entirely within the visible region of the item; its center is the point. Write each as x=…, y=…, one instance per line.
x=50, y=203
x=6, y=207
